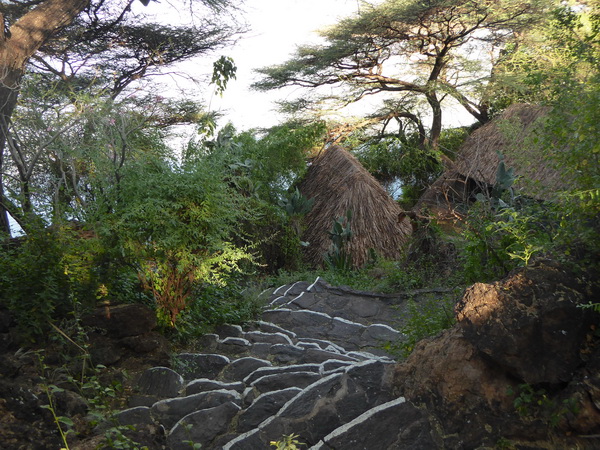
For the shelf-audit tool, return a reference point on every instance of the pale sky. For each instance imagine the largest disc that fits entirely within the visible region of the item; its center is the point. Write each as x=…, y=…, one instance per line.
x=278, y=26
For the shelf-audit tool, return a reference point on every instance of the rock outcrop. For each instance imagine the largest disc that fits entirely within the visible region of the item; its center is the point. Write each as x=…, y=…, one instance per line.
x=520, y=366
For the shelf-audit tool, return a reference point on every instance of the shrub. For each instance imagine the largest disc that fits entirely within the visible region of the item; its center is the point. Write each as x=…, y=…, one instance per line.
x=424, y=318
x=46, y=275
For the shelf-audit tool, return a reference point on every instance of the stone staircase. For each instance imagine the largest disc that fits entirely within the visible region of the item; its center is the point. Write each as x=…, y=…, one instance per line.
x=314, y=366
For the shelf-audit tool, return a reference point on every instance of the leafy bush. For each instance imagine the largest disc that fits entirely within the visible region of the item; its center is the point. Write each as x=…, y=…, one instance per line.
x=176, y=226
x=210, y=305
x=424, y=318
x=47, y=275
x=405, y=160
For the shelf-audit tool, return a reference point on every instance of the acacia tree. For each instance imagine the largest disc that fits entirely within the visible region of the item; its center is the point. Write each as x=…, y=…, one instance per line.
x=416, y=50
x=97, y=45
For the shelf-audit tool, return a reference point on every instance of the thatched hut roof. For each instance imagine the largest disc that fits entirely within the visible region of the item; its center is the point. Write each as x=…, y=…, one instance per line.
x=512, y=135
x=338, y=183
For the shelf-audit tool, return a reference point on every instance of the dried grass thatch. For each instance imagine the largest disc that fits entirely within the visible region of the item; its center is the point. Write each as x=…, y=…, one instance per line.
x=338, y=183
x=511, y=135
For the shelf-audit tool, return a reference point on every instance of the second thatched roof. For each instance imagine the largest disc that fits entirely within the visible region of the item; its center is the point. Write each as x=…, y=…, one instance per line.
x=511, y=135
x=338, y=183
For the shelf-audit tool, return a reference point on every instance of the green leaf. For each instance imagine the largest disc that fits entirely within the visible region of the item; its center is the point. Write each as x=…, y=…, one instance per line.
x=66, y=420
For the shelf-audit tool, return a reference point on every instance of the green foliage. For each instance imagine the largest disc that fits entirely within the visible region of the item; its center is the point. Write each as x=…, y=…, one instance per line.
x=505, y=178
x=73, y=371
x=287, y=442
x=361, y=280
x=425, y=317
x=67, y=277
x=224, y=70
x=262, y=168
x=296, y=204
x=562, y=51
x=211, y=305
x=531, y=404
x=503, y=232
x=64, y=424
x=402, y=159
x=415, y=54
x=176, y=225
x=430, y=260
x=496, y=242
x=112, y=45
x=337, y=257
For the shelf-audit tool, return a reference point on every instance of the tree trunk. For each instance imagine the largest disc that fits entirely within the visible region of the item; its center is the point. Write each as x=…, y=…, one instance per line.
x=436, y=120
x=25, y=37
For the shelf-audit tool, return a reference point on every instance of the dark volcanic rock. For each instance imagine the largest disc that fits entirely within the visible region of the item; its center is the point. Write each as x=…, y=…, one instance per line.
x=202, y=427
x=262, y=371
x=509, y=333
x=122, y=320
x=204, y=385
x=169, y=411
x=279, y=381
x=264, y=407
x=394, y=425
x=324, y=406
x=200, y=365
x=160, y=382
x=242, y=367
x=134, y=416
x=530, y=324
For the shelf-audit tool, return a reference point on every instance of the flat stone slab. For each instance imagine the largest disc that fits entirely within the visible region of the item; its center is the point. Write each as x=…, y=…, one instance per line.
x=240, y=368
x=317, y=355
x=229, y=330
x=200, y=365
x=279, y=381
x=234, y=346
x=263, y=407
x=324, y=406
x=271, y=338
x=262, y=371
x=134, y=416
x=393, y=425
x=205, y=385
x=380, y=333
x=325, y=344
x=160, y=382
x=269, y=327
x=285, y=353
x=201, y=427
x=169, y=412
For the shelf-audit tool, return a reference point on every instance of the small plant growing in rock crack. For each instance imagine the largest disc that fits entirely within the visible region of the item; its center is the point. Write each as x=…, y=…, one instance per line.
x=531, y=403
x=287, y=442
x=78, y=372
x=504, y=444
x=193, y=445
x=424, y=318
x=50, y=390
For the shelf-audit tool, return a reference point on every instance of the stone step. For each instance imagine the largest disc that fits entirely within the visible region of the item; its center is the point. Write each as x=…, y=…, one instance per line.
x=361, y=307
x=323, y=406
x=297, y=370
x=342, y=332
x=393, y=425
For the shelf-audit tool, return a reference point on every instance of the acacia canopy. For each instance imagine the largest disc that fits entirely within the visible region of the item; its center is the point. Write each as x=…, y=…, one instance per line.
x=98, y=47
x=416, y=50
